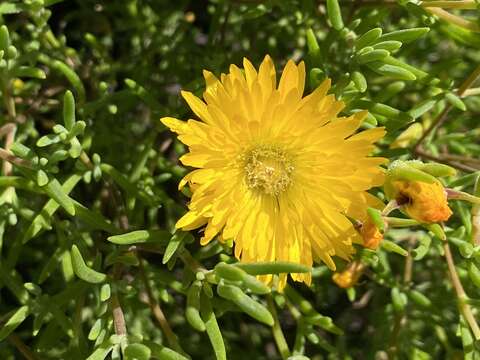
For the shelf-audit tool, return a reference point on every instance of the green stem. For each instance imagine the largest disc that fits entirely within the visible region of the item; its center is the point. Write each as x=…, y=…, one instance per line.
x=277, y=330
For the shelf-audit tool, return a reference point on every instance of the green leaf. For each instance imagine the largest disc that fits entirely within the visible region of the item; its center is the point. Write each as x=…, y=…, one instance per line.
x=4, y=36
x=163, y=353
x=420, y=299
x=229, y=272
x=82, y=270
x=313, y=47
x=278, y=267
x=334, y=14
x=377, y=218
x=69, y=73
x=192, y=311
x=102, y=351
x=140, y=236
x=55, y=191
x=359, y=81
x=455, y=101
x=399, y=299
x=42, y=220
x=42, y=178
x=392, y=247
x=94, y=219
x=405, y=35
x=474, y=274
x=173, y=245
x=47, y=140
x=368, y=38
x=95, y=330
x=68, y=110
x=14, y=321
x=105, y=292
x=255, y=285
x=213, y=331
x=246, y=303
x=392, y=71
x=137, y=352
x=419, y=74
x=388, y=45
x=29, y=71
x=324, y=322
x=422, y=107
x=371, y=56
x=422, y=249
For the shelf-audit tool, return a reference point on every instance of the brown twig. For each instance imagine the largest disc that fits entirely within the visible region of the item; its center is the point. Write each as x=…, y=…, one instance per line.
x=8, y=156
x=8, y=130
x=117, y=312
x=157, y=311
x=22, y=347
x=442, y=117
x=464, y=307
x=457, y=165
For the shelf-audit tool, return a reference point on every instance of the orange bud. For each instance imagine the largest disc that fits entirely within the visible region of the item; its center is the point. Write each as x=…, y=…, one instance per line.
x=424, y=202
x=350, y=276
x=372, y=237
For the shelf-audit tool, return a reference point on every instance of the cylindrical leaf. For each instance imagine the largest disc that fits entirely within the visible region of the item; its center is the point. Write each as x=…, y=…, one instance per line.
x=246, y=303
x=368, y=38
x=83, y=271
x=405, y=35
x=192, y=312
x=68, y=110
x=334, y=14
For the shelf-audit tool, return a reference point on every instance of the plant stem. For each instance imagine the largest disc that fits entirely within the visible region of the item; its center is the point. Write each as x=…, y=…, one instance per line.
x=8, y=130
x=21, y=347
x=464, y=307
x=442, y=117
x=459, y=4
x=454, y=19
x=457, y=165
x=277, y=330
x=117, y=312
x=8, y=156
x=157, y=311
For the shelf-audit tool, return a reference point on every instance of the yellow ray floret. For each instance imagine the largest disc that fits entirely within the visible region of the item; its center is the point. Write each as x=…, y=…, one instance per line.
x=279, y=173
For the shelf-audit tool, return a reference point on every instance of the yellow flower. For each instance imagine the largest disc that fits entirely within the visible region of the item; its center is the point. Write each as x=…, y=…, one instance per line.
x=372, y=236
x=422, y=201
x=278, y=173
x=350, y=276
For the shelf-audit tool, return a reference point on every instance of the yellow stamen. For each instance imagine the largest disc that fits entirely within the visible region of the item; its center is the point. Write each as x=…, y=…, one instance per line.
x=268, y=169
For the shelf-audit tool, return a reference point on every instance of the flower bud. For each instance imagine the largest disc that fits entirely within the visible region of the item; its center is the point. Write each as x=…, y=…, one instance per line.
x=350, y=276
x=424, y=202
x=372, y=236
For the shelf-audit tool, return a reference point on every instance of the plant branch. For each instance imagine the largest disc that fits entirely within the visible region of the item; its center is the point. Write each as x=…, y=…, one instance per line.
x=157, y=311
x=457, y=165
x=442, y=117
x=21, y=347
x=117, y=312
x=464, y=307
x=459, y=4
x=8, y=130
x=453, y=19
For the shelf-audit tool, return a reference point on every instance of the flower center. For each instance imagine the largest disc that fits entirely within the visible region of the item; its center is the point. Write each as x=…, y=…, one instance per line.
x=268, y=169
